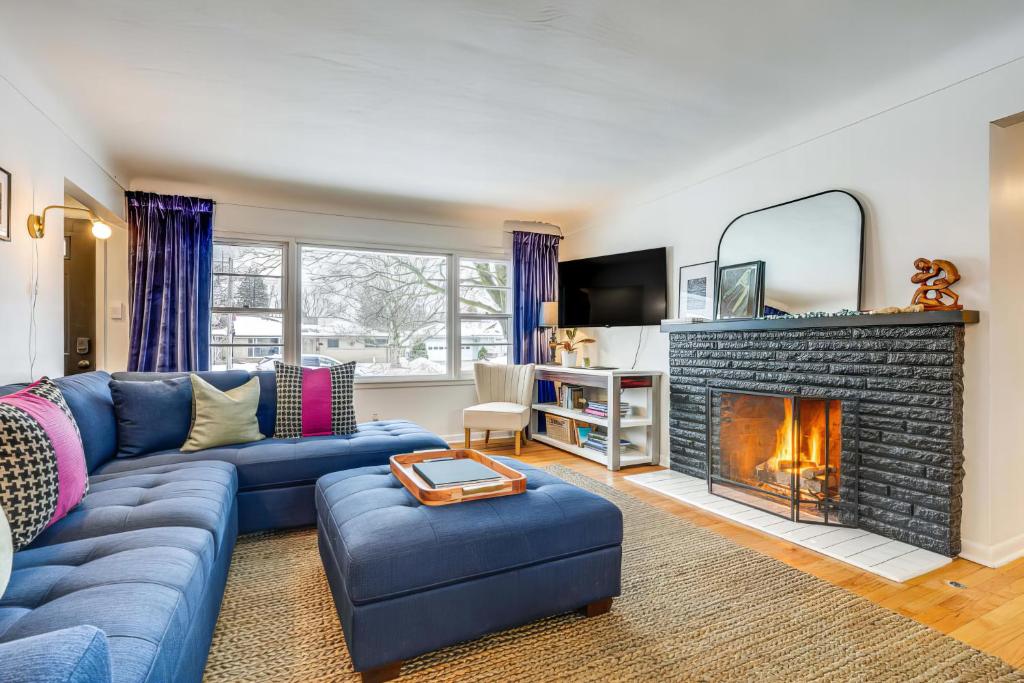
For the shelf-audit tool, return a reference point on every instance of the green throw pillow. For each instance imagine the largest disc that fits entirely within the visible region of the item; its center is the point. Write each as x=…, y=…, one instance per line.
x=223, y=418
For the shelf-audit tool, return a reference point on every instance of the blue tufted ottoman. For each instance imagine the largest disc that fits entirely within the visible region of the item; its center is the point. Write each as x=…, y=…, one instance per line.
x=408, y=578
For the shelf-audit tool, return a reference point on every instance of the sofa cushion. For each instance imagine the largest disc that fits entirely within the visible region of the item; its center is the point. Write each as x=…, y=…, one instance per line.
x=280, y=462
x=314, y=401
x=196, y=494
x=151, y=416
x=223, y=418
x=388, y=544
x=496, y=415
x=28, y=470
x=266, y=413
x=78, y=654
x=224, y=380
x=154, y=409
x=142, y=588
x=88, y=397
x=44, y=400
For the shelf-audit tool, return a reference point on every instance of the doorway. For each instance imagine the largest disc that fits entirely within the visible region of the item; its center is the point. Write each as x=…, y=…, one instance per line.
x=79, y=297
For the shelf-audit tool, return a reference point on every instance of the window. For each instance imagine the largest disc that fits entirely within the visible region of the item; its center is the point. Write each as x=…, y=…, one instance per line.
x=247, y=325
x=485, y=312
x=396, y=314
x=393, y=305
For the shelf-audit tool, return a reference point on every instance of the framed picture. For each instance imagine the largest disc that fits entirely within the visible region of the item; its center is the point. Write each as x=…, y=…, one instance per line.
x=5, y=205
x=697, y=291
x=741, y=290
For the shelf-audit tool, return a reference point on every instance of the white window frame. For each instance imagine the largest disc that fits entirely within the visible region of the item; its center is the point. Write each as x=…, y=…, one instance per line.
x=284, y=311
x=460, y=316
x=291, y=297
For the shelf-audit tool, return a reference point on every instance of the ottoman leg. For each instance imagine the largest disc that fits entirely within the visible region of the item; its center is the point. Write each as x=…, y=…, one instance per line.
x=382, y=673
x=597, y=608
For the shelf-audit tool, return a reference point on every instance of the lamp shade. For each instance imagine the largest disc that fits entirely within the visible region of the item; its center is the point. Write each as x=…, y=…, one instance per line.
x=549, y=314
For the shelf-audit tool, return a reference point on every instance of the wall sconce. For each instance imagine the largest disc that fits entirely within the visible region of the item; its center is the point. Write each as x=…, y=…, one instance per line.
x=37, y=222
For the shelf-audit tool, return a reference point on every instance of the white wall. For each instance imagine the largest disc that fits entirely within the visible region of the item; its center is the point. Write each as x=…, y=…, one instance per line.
x=112, y=294
x=921, y=169
x=40, y=156
x=1006, y=332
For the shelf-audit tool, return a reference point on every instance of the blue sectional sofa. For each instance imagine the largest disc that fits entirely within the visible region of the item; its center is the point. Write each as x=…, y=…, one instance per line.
x=128, y=586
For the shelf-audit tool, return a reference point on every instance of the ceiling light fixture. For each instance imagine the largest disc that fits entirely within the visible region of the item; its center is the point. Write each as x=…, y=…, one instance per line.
x=37, y=222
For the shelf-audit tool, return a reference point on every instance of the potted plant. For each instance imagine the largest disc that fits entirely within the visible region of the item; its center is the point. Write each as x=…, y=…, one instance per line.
x=570, y=346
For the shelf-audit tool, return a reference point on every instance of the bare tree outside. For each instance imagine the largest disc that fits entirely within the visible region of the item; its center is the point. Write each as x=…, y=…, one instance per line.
x=247, y=324
x=387, y=311
x=398, y=297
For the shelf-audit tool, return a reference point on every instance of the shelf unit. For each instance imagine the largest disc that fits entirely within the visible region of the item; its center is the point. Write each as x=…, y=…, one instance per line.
x=610, y=380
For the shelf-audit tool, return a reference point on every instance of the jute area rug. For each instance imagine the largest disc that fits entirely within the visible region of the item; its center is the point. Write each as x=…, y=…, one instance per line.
x=695, y=607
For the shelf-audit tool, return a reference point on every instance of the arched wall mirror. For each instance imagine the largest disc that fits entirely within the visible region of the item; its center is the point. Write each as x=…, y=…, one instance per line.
x=811, y=250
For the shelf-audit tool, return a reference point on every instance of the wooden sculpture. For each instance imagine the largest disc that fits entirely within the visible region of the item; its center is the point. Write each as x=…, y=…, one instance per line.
x=934, y=279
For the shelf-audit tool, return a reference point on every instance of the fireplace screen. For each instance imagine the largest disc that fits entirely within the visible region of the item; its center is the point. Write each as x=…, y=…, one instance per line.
x=780, y=453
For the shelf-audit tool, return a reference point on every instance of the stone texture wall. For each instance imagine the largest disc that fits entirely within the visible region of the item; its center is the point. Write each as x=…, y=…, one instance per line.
x=906, y=384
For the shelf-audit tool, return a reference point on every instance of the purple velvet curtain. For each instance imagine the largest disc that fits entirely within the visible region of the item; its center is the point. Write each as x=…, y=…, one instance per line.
x=535, y=279
x=170, y=258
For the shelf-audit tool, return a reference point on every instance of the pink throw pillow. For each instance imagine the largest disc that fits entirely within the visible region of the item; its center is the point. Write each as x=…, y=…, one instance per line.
x=44, y=403
x=314, y=401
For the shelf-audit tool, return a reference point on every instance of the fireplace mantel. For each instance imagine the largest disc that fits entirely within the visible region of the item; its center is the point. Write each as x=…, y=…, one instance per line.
x=876, y=320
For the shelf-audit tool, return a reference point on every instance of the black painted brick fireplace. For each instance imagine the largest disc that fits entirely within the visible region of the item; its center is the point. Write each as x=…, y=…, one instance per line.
x=907, y=384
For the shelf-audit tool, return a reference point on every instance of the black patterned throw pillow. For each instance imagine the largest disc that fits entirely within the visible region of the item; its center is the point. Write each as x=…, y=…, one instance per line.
x=43, y=473
x=314, y=401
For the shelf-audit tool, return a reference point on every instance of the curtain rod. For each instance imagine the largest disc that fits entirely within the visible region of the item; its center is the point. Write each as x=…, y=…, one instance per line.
x=533, y=224
x=511, y=232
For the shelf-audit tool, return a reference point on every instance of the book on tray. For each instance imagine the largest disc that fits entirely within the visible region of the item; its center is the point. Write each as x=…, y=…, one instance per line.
x=452, y=471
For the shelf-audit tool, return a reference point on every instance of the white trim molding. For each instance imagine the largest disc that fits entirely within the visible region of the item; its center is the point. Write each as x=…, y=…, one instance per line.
x=993, y=555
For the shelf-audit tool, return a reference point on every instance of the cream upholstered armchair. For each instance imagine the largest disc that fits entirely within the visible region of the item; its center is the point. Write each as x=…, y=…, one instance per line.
x=505, y=393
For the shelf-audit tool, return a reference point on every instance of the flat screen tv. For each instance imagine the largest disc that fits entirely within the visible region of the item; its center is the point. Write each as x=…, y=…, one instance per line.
x=614, y=291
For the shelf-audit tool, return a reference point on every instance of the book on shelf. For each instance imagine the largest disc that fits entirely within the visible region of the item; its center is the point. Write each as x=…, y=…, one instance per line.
x=599, y=442
x=570, y=397
x=600, y=409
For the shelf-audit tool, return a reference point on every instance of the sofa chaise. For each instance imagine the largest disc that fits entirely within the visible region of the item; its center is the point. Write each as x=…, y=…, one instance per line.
x=128, y=586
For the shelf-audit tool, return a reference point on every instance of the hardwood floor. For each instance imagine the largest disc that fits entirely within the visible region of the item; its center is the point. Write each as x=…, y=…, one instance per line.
x=986, y=613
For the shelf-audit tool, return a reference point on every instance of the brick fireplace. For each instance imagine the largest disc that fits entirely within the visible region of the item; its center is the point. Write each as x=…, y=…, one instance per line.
x=856, y=421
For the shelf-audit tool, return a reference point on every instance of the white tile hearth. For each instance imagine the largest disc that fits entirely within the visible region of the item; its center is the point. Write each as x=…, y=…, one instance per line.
x=877, y=554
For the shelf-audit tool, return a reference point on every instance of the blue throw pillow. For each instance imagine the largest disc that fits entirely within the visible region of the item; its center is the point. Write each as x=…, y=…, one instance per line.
x=88, y=396
x=151, y=416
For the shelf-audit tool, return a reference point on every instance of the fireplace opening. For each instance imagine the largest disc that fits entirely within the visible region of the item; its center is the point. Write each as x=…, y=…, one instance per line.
x=776, y=452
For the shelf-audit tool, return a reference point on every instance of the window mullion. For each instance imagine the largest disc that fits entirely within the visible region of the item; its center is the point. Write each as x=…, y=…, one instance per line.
x=293, y=306
x=454, y=324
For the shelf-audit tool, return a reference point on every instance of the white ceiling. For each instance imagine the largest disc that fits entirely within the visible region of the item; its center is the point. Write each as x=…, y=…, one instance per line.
x=544, y=107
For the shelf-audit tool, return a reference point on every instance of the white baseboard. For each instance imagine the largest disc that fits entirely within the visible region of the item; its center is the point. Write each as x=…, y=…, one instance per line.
x=993, y=555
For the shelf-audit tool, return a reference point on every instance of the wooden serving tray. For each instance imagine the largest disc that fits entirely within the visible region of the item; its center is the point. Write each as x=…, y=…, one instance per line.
x=511, y=482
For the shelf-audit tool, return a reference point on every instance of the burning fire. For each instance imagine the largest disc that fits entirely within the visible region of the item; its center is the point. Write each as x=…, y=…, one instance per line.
x=810, y=461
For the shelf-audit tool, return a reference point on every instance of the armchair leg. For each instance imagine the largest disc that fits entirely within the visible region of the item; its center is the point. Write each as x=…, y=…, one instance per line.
x=487, y=437
x=467, y=438
x=519, y=441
